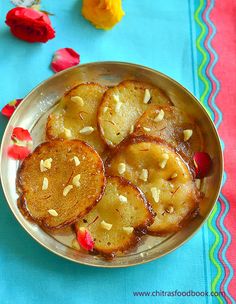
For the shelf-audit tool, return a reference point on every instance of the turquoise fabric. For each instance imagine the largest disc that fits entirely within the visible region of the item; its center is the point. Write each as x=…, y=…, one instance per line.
x=152, y=33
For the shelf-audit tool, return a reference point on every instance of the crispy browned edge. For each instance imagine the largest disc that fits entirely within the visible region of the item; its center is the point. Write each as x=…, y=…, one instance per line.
x=180, y=149
x=49, y=135
x=142, y=85
x=139, y=231
x=132, y=140
x=22, y=203
x=188, y=218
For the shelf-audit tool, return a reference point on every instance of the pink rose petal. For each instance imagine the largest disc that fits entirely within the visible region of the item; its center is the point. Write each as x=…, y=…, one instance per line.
x=203, y=164
x=64, y=59
x=9, y=109
x=18, y=152
x=84, y=238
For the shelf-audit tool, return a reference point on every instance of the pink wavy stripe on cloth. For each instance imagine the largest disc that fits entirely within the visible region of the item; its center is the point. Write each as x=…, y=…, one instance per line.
x=217, y=120
x=223, y=16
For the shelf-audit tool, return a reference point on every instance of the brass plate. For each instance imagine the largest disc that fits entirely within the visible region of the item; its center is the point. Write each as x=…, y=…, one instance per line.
x=32, y=114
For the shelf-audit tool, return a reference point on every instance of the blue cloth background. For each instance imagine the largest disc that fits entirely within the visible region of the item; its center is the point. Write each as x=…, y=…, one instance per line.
x=152, y=33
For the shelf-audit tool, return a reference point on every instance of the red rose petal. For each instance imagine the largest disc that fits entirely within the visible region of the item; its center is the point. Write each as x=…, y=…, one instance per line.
x=203, y=164
x=22, y=144
x=9, y=109
x=18, y=152
x=29, y=24
x=64, y=59
x=21, y=134
x=85, y=239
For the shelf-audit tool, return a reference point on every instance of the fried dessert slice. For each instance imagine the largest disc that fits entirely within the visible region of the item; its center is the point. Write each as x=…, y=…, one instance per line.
x=173, y=126
x=75, y=117
x=60, y=182
x=119, y=219
x=122, y=105
x=164, y=178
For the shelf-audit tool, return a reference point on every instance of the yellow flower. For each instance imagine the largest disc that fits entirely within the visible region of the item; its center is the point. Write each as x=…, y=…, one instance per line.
x=104, y=14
